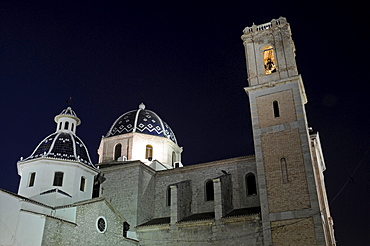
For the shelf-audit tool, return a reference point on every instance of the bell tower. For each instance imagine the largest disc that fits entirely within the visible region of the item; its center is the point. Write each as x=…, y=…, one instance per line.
x=288, y=185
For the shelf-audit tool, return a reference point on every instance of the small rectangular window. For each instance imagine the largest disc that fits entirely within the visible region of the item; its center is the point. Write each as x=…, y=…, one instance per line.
x=168, y=196
x=149, y=152
x=275, y=106
x=58, y=179
x=32, y=179
x=82, y=184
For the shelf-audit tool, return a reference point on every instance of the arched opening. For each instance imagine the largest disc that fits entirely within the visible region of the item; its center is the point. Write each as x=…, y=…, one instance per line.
x=284, y=170
x=210, y=195
x=117, y=151
x=269, y=59
x=58, y=179
x=250, y=181
x=149, y=152
x=66, y=125
x=275, y=106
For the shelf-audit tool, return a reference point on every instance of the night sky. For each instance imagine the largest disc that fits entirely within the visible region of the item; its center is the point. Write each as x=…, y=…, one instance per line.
x=187, y=64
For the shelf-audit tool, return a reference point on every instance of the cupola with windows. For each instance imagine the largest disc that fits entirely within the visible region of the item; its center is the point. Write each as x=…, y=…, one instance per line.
x=59, y=171
x=141, y=134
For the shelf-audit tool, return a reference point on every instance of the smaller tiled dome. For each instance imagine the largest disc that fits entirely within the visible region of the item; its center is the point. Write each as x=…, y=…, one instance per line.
x=142, y=121
x=63, y=144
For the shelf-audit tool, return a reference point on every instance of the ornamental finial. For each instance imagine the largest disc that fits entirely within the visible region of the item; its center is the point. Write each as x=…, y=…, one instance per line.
x=142, y=106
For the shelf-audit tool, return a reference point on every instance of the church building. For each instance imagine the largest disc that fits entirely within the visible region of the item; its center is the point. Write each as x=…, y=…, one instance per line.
x=140, y=193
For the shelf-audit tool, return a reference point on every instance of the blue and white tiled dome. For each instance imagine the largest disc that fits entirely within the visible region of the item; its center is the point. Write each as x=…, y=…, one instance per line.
x=141, y=121
x=64, y=143
x=63, y=146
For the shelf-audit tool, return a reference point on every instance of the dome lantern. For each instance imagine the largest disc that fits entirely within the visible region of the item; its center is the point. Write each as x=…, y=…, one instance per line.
x=67, y=120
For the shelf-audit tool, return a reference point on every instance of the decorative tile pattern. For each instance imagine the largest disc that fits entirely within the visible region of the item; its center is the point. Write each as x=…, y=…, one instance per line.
x=142, y=121
x=64, y=146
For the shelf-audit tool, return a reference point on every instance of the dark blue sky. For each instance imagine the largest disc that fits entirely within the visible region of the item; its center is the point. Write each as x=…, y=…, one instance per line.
x=186, y=63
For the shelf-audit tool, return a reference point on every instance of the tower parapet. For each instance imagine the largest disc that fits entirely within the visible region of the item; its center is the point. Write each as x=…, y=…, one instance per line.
x=256, y=28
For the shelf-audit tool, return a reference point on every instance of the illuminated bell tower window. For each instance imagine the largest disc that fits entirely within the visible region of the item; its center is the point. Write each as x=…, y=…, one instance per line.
x=269, y=59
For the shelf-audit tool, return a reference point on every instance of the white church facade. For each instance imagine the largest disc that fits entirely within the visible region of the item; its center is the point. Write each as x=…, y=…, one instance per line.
x=140, y=193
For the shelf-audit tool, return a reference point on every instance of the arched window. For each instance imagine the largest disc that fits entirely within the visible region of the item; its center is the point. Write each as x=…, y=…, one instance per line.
x=117, y=151
x=73, y=126
x=66, y=125
x=149, y=152
x=60, y=125
x=250, y=181
x=210, y=196
x=58, y=179
x=275, y=106
x=284, y=170
x=269, y=59
x=168, y=196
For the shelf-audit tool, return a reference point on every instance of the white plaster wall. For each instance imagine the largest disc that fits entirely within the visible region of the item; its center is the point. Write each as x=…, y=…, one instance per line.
x=68, y=214
x=17, y=227
x=30, y=228
x=45, y=169
x=162, y=148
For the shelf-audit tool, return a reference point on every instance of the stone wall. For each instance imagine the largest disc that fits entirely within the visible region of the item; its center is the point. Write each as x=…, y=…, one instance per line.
x=198, y=175
x=85, y=231
x=129, y=189
x=294, y=232
x=293, y=194
x=244, y=230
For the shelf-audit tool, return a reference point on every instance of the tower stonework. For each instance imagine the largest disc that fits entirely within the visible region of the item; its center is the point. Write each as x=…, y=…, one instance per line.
x=289, y=175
